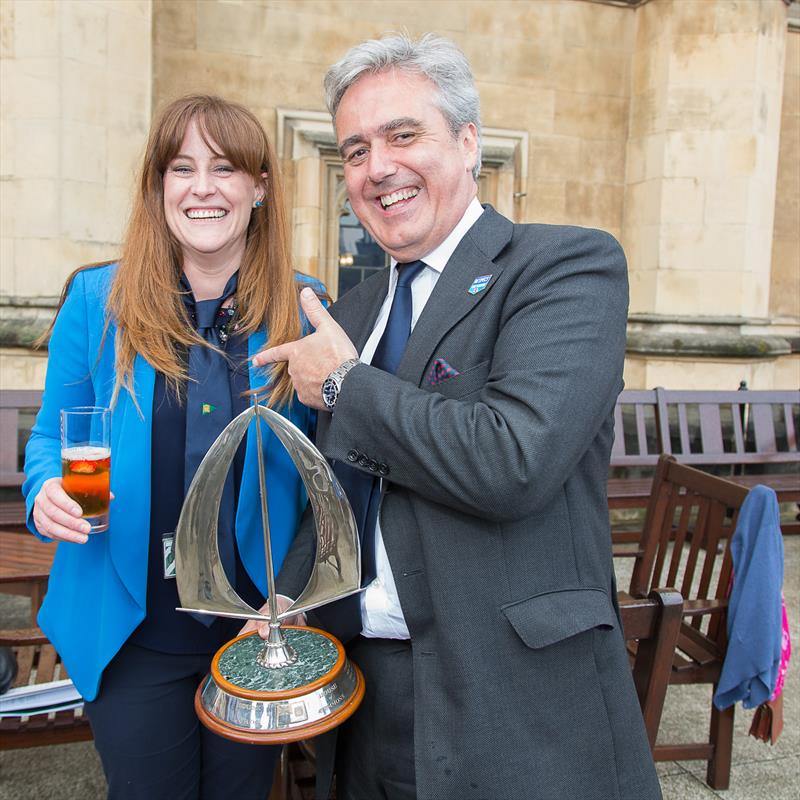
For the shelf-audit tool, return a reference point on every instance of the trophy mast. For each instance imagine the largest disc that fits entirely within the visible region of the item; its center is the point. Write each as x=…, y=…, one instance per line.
x=276, y=653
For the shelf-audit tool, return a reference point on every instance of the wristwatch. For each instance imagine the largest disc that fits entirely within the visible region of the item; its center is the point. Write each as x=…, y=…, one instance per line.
x=332, y=385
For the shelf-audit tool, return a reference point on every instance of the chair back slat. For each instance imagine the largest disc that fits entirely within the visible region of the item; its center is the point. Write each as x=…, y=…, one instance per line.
x=791, y=432
x=763, y=427
x=8, y=435
x=665, y=533
x=697, y=508
x=678, y=540
x=683, y=430
x=711, y=428
x=618, y=447
x=47, y=664
x=712, y=536
x=641, y=430
x=737, y=413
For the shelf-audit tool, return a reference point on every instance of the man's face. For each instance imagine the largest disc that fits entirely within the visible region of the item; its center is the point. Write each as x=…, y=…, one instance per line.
x=409, y=180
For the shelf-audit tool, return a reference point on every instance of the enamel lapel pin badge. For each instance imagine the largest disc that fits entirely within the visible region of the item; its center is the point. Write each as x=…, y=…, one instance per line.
x=479, y=284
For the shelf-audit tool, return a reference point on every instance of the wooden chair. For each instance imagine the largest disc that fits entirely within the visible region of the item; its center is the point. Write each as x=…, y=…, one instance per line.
x=686, y=544
x=654, y=624
x=38, y=662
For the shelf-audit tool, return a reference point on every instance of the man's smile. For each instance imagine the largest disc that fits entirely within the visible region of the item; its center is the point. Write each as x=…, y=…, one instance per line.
x=397, y=196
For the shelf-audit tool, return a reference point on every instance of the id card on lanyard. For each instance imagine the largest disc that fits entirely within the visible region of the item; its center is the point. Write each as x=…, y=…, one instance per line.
x=168, y=548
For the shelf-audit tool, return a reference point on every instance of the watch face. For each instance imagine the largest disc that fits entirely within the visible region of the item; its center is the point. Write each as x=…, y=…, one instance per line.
x=330, y=391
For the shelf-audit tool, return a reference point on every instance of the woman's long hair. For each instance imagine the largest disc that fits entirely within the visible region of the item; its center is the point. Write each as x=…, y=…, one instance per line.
x=145, y=297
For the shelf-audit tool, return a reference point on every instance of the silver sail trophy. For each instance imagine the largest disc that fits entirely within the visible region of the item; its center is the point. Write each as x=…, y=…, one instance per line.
x=299, y=683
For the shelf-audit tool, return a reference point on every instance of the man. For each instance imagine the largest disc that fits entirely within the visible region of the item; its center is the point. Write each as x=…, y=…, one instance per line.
x=487, y=633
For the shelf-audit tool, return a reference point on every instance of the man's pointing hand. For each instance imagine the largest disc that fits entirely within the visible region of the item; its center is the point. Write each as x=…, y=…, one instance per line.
x=312, y=358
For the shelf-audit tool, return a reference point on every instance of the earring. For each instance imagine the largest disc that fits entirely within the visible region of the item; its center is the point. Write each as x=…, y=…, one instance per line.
x=258, y=204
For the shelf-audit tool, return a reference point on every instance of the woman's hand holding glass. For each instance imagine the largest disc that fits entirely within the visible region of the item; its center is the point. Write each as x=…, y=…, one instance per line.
x=58, y=516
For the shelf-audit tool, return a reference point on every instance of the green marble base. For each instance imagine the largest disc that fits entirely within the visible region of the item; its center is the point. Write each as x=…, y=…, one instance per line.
x=245, y=702
x=317, y=655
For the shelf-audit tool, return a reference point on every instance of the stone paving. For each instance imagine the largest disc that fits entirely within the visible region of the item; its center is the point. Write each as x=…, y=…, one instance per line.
x=760, y=771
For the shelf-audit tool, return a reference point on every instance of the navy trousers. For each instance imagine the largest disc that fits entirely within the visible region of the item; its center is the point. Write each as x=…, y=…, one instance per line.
x=151, y=743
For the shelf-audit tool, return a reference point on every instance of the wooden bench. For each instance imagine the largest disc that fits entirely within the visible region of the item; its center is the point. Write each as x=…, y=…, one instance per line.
x=17, y=409
x=745, y=436
x=39, y=663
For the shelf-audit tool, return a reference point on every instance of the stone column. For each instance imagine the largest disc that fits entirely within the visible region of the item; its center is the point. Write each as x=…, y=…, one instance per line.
x=702, y=156
x=75, y=81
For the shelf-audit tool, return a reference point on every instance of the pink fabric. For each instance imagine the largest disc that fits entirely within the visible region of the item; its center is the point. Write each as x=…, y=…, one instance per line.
x=786, y=651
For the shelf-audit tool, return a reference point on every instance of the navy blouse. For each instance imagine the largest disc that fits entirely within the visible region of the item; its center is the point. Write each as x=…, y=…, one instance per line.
x=164, y=629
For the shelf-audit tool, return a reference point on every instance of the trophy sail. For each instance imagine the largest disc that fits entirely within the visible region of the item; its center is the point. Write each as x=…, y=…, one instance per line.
x=337, y=566
x=299, y=683
x=201, y=581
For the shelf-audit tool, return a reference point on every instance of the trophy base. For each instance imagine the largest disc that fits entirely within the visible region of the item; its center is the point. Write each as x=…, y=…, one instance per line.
x=248, y=703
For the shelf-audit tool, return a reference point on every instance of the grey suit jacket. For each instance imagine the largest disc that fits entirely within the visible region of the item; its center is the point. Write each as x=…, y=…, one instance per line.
x=495, y=516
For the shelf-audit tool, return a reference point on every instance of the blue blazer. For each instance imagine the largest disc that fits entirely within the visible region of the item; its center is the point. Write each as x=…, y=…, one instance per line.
x=96, y=594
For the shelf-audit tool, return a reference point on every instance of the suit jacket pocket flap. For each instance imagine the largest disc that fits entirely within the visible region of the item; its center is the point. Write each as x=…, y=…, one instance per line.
x=545, y=619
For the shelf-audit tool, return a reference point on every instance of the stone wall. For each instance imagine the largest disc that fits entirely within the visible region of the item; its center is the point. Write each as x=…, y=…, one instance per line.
x=660, y=123
x=558, y=70
x=75, y=82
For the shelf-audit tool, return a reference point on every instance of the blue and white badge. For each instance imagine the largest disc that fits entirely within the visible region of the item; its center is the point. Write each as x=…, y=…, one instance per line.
x=479, y=284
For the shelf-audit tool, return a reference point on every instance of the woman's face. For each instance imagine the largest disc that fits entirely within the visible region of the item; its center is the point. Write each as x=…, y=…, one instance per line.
x=208, y=202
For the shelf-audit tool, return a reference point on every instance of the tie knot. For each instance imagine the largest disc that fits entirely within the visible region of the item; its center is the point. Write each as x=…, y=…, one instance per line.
x=206, y=312
x=407, y=272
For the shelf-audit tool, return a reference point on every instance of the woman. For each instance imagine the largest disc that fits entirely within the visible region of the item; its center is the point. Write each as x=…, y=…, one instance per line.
x=163, y=338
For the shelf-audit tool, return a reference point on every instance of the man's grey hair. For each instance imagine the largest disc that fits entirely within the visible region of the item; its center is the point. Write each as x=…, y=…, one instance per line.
x=435, y=57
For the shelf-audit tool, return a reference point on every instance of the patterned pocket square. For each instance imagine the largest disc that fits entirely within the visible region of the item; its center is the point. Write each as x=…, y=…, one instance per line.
x=440, y=371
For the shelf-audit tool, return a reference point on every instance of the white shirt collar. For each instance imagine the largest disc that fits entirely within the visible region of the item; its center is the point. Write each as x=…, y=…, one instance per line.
x=438, y=257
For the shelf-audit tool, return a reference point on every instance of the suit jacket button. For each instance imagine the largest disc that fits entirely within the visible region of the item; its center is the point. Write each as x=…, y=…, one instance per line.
x=363, y=460
x=383, y=469
x=373, y=466
x=353, y=455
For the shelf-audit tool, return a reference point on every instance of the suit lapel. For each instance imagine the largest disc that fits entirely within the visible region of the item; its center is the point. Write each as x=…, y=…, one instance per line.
x=358, y=316
x=451, y=299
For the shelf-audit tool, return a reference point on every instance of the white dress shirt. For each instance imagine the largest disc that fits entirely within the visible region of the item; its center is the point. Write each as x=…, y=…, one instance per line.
x=380, y=606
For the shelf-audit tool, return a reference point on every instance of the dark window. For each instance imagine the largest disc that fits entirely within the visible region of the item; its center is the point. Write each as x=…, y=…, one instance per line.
x=359, y=254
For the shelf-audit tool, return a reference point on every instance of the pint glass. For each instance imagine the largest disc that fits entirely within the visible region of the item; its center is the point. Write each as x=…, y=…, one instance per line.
x=86, y=461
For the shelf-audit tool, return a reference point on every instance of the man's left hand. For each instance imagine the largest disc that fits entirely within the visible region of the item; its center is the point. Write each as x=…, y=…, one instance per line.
x=312, y=358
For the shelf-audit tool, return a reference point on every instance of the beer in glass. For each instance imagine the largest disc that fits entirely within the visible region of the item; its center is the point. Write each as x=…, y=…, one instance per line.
x=86, y=461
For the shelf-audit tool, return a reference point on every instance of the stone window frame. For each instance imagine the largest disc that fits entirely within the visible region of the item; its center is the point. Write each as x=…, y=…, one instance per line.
x=306, y=144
